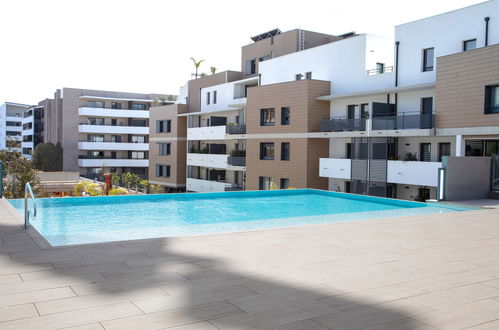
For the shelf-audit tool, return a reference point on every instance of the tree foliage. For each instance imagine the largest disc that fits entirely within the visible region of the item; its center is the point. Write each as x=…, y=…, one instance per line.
x=47, y=157
x=19, y=171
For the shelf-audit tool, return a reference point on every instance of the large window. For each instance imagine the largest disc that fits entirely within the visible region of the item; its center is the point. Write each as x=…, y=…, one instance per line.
x=285, y=116
x=265, y=182
x=443, y=150
x=492, y=99
x=163, y=171
x=425, y=152
x=137, y=106
x=266, y=151
x=469, y=45
x=251, y=66
x=285, y=151
x=138, y=155
x=137, y=139
x=115, y=105
x=428, y=59
x=163, y=126
x=95, y=121
x=284, y=183
x=95, y=138
x=96, y=104
x=115, y=138
x=164, y=149
x=267, y=117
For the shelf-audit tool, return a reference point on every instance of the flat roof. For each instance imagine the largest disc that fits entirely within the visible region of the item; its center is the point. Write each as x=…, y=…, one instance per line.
x=376, y=91
x=113, y=98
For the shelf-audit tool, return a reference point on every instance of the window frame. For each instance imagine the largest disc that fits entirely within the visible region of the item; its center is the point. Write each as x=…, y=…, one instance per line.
x=425, y=66
x=489, y=107
x=421, y=151
x=285, y=151
x=308, y=75
x=263, y=118
x=164, y=148
x=440, y=144
x=285, y=116
x=465, y=42
x=263, y=147
x=284, y=186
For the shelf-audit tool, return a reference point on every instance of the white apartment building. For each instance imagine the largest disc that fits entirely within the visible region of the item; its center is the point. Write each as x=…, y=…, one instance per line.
x=216, y=153
x=11, y=115
x=32, y=130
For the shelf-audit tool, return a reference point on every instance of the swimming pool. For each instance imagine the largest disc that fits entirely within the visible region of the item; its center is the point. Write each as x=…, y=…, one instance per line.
x=79, y=220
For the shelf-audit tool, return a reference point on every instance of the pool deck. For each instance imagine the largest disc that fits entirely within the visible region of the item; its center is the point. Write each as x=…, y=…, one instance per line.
x=418, y=272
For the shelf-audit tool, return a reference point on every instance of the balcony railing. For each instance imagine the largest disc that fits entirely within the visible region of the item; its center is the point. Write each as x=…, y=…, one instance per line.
x=236, y=160
x=236, y=129
x=343, y=124
x=234, y=187
x=111, y=108
x=386, y=69
x=121, y=125
x=408, y=120
x=108, y=157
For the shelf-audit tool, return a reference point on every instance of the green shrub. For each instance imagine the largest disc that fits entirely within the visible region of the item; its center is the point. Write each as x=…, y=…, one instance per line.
x=118, y=191
x=93, y=189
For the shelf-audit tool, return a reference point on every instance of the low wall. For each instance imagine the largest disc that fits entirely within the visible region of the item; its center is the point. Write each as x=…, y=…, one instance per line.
x=467, y=178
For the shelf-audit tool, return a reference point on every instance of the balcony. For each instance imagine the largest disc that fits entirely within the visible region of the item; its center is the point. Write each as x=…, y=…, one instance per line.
x=401, y=172
x=237, y=160
x=404, y=120
x=112, y=162
x=13, y=128
x=85, y=145
x=115, y=113
x=85, y=128
x=206, y=133
x=236, y=129
x=343, y=124
x=207, y=160
x=199, y=185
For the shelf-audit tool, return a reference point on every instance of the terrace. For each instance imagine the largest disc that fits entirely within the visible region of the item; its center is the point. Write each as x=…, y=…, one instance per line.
x=410, y=273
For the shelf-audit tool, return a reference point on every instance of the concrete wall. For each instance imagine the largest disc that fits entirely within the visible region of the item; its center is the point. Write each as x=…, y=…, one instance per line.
x=467, y=178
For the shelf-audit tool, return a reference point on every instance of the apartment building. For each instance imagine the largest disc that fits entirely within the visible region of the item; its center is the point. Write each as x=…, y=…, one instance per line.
x=98, y=129
x=32, y=129
x=11, y=115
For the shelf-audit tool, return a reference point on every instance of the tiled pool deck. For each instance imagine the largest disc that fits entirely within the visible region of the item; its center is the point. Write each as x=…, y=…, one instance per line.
x=418, y=272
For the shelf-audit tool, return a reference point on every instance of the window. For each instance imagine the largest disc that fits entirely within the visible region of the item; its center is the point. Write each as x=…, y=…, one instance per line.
x=95, y=121
x=136, y=106
x=114, y=122
x=267, y=117
x=308, y=75
x=95, y=138
x=115, y=105
x=164, y=149
x=113, y=154
x=95, y=154
x=443, y=150
x=207, y=97
x=428, y=59
x=351, y=111
x=251, y=66
x=380, y=67
x=285, y=116
x=163, y=126
x=265, y=182
x=298, y=76
x=492, y=99
x=95, y=104
x=163, y=171
x=138, y=155
x=266, y=151
x=364, y=110
x=284, y=183
x=214, y=97
x=285, y=151
x=115, y=138
x=264, y=58
x=137, y=139
x=469, y=44
x=425, y=152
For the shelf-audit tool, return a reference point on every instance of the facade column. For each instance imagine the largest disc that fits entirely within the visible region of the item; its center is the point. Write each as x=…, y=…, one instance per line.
x=460, y=146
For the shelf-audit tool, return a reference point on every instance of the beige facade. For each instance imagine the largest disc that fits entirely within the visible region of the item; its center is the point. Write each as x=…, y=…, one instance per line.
x=460, y=88
x=177, y=140
x=302, y=168
x=281, y=44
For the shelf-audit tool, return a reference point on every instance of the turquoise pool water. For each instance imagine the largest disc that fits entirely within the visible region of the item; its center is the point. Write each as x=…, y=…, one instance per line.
x=65, y=221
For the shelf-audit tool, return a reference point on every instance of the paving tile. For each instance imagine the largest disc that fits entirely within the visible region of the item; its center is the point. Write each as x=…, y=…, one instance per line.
x=35, y=296
x=91, y=326
x=74, y=318
x=195, y=326
x=17, y=312
x=301, y=325
x=174, y=317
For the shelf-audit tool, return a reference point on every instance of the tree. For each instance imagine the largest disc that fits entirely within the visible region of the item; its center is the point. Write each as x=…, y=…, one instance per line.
x=213, y=69
x=21, y=172
x=196, y=65
x=130, y=180
x=47, y=157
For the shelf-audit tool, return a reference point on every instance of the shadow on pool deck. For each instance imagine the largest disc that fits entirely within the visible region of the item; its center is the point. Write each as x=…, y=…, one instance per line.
x=154, y=283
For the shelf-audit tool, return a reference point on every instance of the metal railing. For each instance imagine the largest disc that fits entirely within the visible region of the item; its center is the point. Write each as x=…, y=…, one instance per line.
x=28, y=192
x=234, y=187
x=236, y=129
x=236, y=160
x=407, y=120
x=343, y=124
x=386, y=69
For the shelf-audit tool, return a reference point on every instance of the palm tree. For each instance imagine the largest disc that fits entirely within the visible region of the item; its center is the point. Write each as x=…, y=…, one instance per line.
x=197, y=64
x=213, y=69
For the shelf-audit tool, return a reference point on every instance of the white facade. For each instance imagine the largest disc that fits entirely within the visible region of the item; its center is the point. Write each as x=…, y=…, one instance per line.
x=11, y=115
